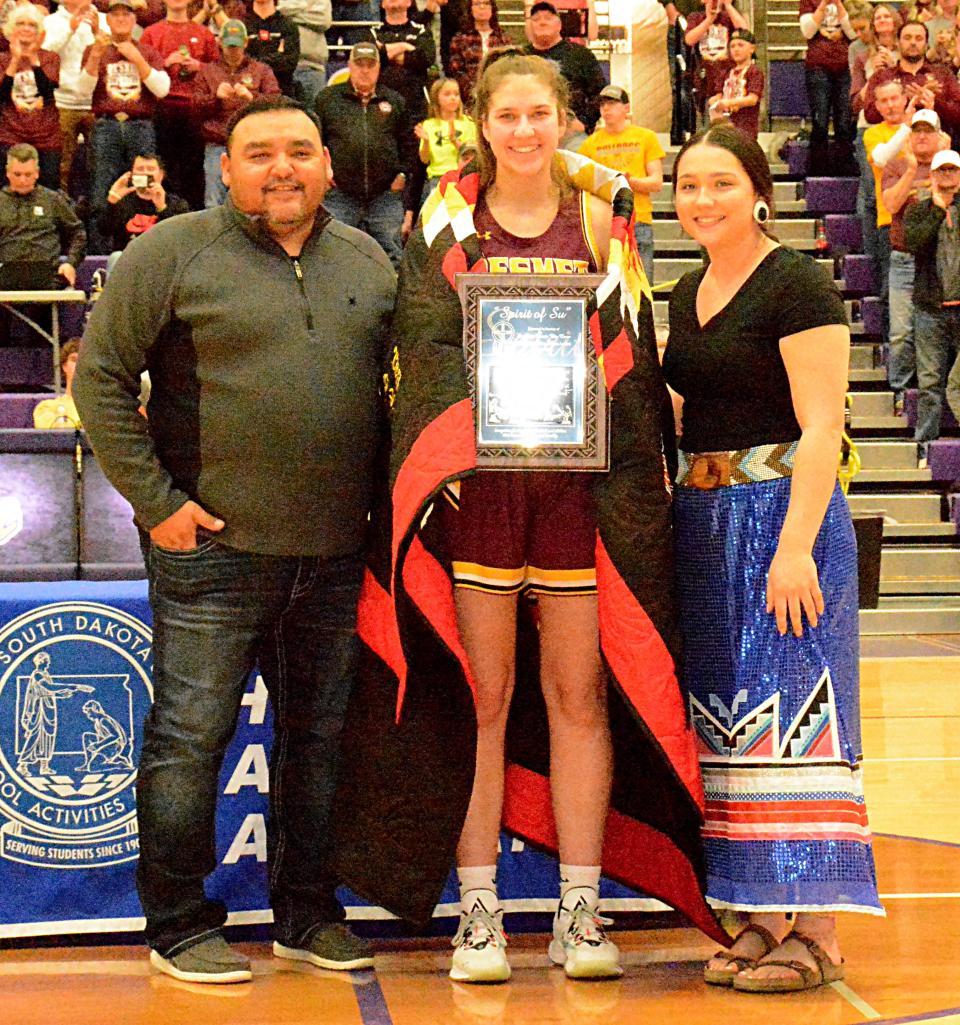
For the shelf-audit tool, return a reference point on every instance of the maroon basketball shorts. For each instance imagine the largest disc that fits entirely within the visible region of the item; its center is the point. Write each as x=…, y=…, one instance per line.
x=508, y=532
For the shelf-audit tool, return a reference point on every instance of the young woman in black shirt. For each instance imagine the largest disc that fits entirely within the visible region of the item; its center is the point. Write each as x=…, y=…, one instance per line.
x=767, y=567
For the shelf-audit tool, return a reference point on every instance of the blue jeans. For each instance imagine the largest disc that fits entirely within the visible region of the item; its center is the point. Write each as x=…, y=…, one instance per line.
x=309, y=83
x=882, y=266
x=381, y=218
x=866, y=199
x=113, y=146
x=829, y=96
x=937, y=344
x=902, y=364
x=953, y=390
x=214, y=191
x=643, y=233
x=218, y=612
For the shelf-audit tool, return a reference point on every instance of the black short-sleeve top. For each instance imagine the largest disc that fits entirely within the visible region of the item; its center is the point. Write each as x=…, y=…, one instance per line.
x=731, y=375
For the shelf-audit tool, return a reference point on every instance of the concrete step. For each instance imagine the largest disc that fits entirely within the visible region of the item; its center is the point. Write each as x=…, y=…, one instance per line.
x=789, y=231
x=888, y=455
x=920, y=570
x=893, y=477
x=905, y=508
x=785, y=33
x=862, y=358
x=878, y=424
x=902, y=616
x=917, y=531
x=873, y=404
x=865, y=375
x=786, y=52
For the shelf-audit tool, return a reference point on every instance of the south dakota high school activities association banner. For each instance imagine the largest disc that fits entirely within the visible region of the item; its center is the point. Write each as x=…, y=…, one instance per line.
x=75, y=686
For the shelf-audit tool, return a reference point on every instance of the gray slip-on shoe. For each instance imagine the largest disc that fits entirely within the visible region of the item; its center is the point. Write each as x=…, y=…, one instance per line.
x=210, y=961
x=332, y=946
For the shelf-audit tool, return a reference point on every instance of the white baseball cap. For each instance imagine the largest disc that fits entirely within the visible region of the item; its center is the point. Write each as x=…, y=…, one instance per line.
x=945, y=158
x=926, y=117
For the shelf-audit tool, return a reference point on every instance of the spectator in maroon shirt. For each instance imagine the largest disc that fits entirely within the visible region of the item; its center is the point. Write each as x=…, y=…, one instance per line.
x=934, y=85
x=223, y=88
x=742, y=88
x=28, y=112
x=126, y=79
x=185, y=47
x=826, y=27
x=708, y=31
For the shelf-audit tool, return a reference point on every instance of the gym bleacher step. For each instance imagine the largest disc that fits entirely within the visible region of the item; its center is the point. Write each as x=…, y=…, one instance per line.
x=885, y=475
x=912, y=569
x=865, y=375
x=901, y=615
x=887, y=455
x=894, y=424
x=796, y=229
x=873, y=404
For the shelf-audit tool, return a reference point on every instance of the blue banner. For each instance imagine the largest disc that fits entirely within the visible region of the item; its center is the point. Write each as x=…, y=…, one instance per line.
x=75, y=686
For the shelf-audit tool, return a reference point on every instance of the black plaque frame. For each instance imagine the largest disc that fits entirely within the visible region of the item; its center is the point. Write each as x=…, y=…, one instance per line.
x=477, y=292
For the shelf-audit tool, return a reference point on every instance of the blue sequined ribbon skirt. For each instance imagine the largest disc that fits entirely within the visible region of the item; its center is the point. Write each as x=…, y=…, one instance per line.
x=777, y=718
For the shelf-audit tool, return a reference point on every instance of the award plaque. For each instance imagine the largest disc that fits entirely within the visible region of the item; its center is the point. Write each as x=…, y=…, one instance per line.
x=539, y=397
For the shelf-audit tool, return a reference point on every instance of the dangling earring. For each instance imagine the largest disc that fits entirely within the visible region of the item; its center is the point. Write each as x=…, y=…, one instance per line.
x=761, y=212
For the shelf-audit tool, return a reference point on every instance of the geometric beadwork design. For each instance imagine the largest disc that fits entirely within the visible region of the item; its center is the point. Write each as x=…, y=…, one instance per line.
x=738, y=466
x=813, y=733
x=754, y=735
x=812, y=736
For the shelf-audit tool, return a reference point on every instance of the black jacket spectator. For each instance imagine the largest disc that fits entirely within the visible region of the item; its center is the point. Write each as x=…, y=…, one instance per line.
x=130, y=217
x=275, y=41
x=409, y=79
x=369, y=144
x=583, y=73
x=921, y=229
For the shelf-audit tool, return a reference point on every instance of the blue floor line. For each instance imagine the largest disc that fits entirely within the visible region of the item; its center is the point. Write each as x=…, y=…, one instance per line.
x=370, y=999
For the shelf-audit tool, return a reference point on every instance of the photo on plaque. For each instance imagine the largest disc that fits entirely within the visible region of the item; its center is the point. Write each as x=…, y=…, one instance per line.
x=538, y=395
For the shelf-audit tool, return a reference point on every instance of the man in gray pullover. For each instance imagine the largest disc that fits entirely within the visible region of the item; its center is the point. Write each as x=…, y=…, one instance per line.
x=263, y=324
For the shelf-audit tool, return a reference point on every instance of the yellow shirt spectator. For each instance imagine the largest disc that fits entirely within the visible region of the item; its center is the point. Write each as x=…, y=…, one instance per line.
x=58, y=413
x=629, y=151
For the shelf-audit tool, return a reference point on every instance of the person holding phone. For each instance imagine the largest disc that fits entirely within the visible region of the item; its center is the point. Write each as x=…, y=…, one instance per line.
x=137, y=201
x=708, y=31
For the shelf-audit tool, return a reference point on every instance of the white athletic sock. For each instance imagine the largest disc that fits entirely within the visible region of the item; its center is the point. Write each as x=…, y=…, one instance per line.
x=579, y=883
x=478, y=885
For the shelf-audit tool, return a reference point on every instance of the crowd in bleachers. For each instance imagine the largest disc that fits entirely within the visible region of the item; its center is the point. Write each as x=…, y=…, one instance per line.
x=126, y=103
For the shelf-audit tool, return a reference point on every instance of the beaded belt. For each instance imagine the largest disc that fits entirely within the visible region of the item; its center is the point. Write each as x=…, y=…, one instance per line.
x=709, y=470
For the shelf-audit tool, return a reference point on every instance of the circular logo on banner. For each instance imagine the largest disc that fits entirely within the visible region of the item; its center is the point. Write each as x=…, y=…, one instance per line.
x=75, y=685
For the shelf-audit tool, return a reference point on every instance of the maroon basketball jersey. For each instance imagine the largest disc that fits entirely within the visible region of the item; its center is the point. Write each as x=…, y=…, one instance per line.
x=566, y=247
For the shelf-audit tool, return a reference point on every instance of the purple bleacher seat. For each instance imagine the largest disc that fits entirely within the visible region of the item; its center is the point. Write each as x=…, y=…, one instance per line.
x=787, y=89
x=831, y=195
x=16, y=408
x=798, y=158
x=943, y=459
x=73, y=317
x=26, y=368
x=844, y=232
x=910, y=398
x=859, y=274
x=871, y=313
x=910, y=406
